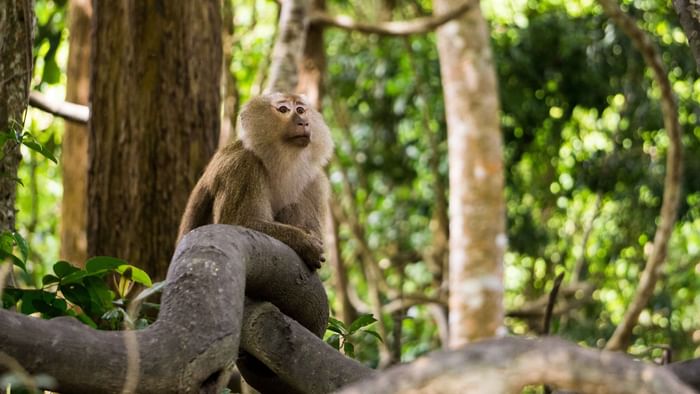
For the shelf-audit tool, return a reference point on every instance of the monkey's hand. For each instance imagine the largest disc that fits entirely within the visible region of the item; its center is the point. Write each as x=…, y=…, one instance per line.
x=311, y=251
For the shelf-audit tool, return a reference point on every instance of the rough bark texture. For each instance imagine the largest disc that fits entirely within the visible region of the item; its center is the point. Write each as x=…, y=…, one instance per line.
x=507, y=365
x=672, y=182
x=689, y=15
x=313, y=63
x=75, y=141
x=286, y=55
x=230, y=98
x=16, y=22
x=477, y=207
x=295, y=354
x=195, y=340
x=155, y=122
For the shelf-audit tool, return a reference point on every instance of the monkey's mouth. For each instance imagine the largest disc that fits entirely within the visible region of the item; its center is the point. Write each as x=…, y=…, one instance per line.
x=301, y=140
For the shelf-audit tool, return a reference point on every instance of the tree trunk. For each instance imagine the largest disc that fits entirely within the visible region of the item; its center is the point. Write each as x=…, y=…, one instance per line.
x=74, y=147
x=477, y=208
x=155, y=122
x=287, y=53
x=689, y=14
x=16, y=21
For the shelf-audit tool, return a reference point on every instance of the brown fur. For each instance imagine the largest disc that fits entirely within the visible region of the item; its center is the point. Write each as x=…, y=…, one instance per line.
x=271, y=179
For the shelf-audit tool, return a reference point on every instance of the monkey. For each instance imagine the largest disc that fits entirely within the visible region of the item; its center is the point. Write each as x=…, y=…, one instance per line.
x=271, y=178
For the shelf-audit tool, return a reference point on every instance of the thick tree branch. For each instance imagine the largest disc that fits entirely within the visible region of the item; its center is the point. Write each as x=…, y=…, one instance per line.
x=506, y=365
x=66, y=110
x=194, y=343
x=672, y=183
x=302, y=358
x=400, y=28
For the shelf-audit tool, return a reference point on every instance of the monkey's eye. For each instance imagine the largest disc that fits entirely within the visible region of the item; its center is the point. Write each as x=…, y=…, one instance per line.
x=283, y=109
x=300, y=110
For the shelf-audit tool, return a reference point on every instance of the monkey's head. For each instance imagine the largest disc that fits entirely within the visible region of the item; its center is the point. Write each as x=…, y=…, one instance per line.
x=285, y=121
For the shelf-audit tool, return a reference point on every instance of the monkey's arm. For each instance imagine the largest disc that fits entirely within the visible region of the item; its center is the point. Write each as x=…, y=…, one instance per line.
x=310, y=211
x=244, y=200
x=198, y=209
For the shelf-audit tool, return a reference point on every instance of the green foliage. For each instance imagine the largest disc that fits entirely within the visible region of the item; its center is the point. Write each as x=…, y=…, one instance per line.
x=343, y=337
x=81, y=293
x=585, y=158
x=27, y=139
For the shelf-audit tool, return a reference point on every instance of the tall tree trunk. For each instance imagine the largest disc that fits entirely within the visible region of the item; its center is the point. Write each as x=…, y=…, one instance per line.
x=155, y=122
x=74, y=147
x=16, y=21
x=477, y=207
x=289, y=46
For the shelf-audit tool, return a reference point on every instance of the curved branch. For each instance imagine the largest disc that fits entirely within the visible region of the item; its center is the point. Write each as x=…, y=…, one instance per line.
x=66, y=110
x=401, y=28
x=672, y=183
x=310, y=364
x=506, y=365
x=194, y=343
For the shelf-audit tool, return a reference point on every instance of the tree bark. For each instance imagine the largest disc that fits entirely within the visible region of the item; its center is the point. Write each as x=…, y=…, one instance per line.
x=477, y=208
x=507, y=365
x=16, y=36
x=155, y=122
x=74, y=147
x=689, y=14
x=287, y=53
x=194, y=343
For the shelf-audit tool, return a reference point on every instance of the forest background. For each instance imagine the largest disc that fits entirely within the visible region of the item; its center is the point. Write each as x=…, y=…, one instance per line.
x=584, y=158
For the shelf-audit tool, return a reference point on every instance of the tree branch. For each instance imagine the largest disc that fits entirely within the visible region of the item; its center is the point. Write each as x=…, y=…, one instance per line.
x=66, y=110
x=672, y=183
x=401, y=28
x=506, y=365
x=194, y=343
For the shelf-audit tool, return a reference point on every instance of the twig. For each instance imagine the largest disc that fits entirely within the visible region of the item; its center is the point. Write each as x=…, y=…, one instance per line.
x=672, y=188
x=395, y=28
x=550, y=304
x=67, y=110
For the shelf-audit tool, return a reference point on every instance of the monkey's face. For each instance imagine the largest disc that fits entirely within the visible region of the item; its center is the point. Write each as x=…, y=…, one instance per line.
x=293, y=113
x=281, y=122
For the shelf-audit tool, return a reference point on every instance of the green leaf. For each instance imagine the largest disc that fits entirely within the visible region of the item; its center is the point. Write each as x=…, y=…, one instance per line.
x=103, y=263
x=15, y=260
x=49, y=279
x=28, y=299
x=7, y=242
x=336, y=325
x=374, y=334
x=349, y=349
x=100, y=294
x=87, y=320
x=32, y=143
x=136, y=274
x=64, y=268
x=22, y=245
x=334, y=340
x=362, y=321
x=10, y=297
x=77, y=294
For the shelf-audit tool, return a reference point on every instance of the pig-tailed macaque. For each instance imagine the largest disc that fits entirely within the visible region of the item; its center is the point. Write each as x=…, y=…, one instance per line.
x=271, y=179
